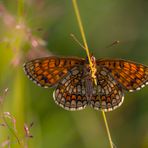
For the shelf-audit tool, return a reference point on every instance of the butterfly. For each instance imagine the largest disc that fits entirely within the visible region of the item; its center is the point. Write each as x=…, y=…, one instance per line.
x=74, y=85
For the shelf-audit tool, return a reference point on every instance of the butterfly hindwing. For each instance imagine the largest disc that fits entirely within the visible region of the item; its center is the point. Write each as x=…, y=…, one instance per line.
x=107, y=94
x=70, y=93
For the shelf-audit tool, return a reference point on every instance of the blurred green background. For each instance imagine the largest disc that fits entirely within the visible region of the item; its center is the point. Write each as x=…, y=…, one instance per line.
x=35, y=28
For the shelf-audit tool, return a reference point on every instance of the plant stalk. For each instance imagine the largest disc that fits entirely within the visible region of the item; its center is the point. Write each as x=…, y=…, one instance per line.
x=76, y=9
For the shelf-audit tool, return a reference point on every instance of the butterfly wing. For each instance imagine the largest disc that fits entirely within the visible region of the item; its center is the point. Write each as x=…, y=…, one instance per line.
x=70, y=93
x=131, y=76
x=107, y=94
x=48, y=71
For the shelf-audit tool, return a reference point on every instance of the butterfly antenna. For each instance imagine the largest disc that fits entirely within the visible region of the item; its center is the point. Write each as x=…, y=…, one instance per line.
x=77, y=41
x=113, y=43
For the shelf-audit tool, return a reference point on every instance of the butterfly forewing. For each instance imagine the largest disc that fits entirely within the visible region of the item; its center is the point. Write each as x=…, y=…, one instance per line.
x=131, y=76
x=48, y=71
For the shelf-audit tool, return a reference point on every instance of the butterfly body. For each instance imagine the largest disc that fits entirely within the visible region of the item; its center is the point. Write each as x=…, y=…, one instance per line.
x=74, y=84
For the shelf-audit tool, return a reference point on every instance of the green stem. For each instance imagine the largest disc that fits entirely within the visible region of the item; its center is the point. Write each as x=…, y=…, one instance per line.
x=88, y=54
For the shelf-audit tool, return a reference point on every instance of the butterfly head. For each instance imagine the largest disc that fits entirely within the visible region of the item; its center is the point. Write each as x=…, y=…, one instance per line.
x=92, y=58
x=91, y=69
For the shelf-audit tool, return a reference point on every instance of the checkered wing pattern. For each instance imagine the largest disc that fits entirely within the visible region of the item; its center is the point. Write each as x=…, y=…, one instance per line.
x=48, y=71
x=70, y=92
x=131, y=76
x=75, y=88
x=107, y=95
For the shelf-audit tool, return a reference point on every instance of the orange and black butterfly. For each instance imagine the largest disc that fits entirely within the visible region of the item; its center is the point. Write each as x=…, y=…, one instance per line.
x=74, y=85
